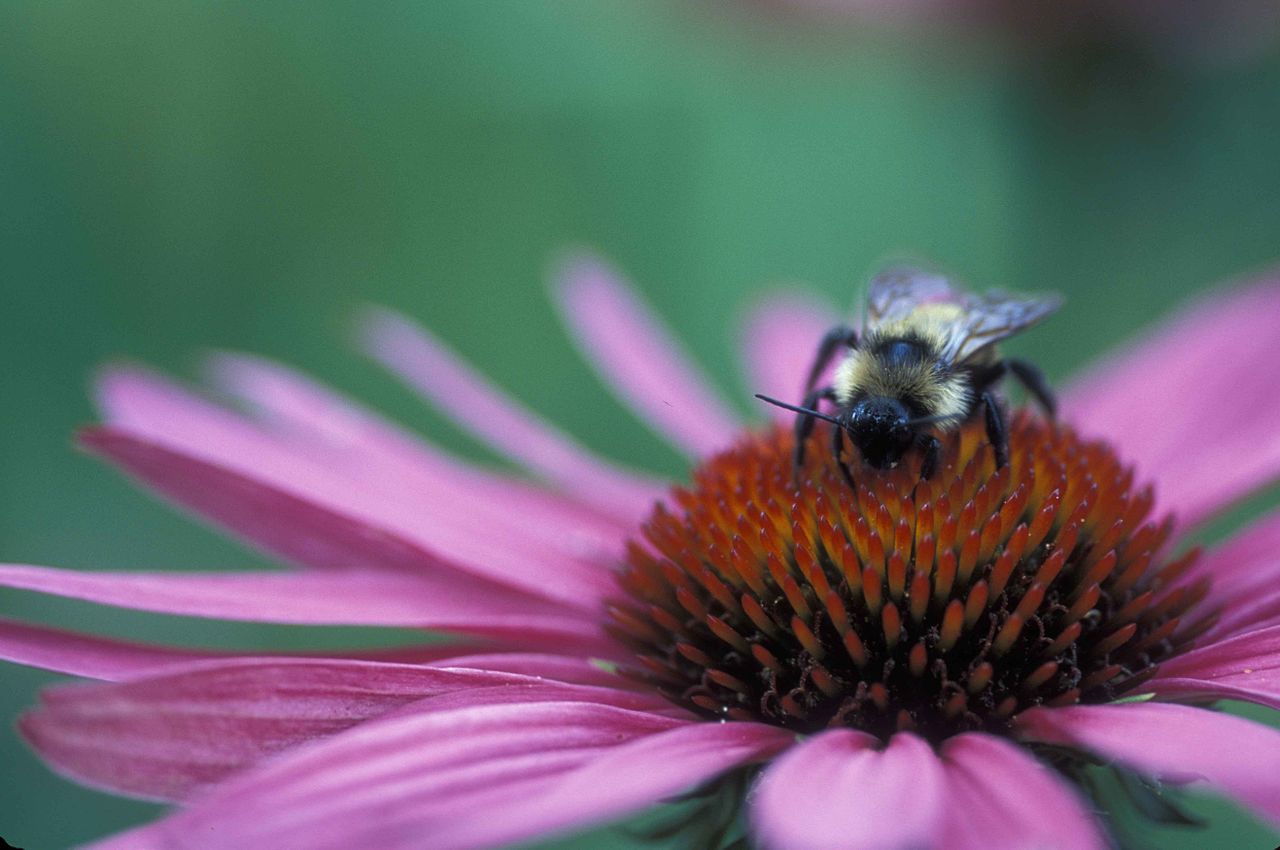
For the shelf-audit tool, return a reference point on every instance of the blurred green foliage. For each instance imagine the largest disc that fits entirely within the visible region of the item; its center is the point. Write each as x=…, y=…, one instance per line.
x=179, y=176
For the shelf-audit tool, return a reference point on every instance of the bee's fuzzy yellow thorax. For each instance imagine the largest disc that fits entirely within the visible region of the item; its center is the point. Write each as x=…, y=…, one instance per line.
x=926, y=383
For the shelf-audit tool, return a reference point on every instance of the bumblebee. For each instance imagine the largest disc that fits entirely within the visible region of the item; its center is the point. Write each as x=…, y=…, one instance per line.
x=926, y=360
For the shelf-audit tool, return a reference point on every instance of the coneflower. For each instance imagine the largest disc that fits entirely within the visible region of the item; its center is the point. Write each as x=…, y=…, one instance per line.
x=904, y=663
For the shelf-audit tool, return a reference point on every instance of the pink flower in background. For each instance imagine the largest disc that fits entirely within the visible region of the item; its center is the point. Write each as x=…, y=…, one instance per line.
x=1222, y=31
x=903, y=667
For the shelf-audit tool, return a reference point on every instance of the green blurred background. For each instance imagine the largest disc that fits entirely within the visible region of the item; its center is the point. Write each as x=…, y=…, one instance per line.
x=177, y=177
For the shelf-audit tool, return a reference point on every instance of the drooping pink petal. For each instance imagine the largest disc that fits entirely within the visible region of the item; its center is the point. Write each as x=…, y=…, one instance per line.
x=1242, y=566
x=95, y=657
x=838, y=789
x=389, y=782
x=160, y=430
x=381, y=455
x=280, y=522
x=999, y=797
x=1244, y=667
x=536, y=689
x=86, y=655
x=779, y=341
x=426, y=365
x=1244, y=576
x=640, y=360
x=318, y=599
x=1250, y=613
x=619, y=781
x=163, y=736
x=562, y=668
x=1186, y=385
x=1173, y=743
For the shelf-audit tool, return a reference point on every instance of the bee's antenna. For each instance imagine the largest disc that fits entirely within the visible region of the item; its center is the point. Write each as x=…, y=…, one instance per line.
x=792, y=407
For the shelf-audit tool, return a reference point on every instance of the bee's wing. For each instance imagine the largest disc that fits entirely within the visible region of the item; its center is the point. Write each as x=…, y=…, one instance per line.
x=895, y=293
x=993, y=316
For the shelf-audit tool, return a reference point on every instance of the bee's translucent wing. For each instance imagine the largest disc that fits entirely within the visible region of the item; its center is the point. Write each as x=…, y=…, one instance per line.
x=895, y=293
x=993, y=316
x=972, y=322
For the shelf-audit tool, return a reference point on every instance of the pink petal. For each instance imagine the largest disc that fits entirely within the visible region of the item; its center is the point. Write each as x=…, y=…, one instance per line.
x=163, y=433
x=86, y=655
x=562, y=668
x=390, y=783
x=142, y=838
x=96, y=657
x=779, y=340
x=163, y=736
x=533, y=689
x=1244, y=575
x=1242, y=566
x=999, y=797
x=1257, y=611
x=1174, y=743
x=1244, y=667
x=621, y=780
x=425, y=364
x=317, y=599
x=383, y=456
x=640, y=360
x=280, y=522
x=1168, y=392
x=838, y=790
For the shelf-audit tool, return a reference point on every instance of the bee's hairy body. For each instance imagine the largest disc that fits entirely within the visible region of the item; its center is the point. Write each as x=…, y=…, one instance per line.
x=905, y=366
x=927, y=360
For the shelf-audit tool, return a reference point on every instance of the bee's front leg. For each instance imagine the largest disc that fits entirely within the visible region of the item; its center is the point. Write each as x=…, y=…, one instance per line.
x=996, y=431
x=837, y=449
x=838, y=337
x=805, y=423
x=932, y=446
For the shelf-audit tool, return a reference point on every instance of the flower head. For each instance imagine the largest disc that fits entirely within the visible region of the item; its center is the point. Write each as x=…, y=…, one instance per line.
x=937, y=606
x=901, y=663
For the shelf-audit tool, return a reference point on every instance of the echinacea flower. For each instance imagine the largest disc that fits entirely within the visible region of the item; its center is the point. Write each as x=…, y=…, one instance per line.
x=908, y=664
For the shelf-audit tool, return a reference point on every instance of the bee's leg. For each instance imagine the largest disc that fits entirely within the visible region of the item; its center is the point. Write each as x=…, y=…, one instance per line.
x=837, y=448
x=931, y=445
x=805, y=423
x=996, y=431
x=837, y=337
x=1030, y=376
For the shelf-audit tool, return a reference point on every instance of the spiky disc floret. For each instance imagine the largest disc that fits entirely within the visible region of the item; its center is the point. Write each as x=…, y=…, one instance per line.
x=940, y=606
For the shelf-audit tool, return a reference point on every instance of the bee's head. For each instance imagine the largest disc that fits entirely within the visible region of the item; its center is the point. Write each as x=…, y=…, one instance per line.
x=880, y=427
